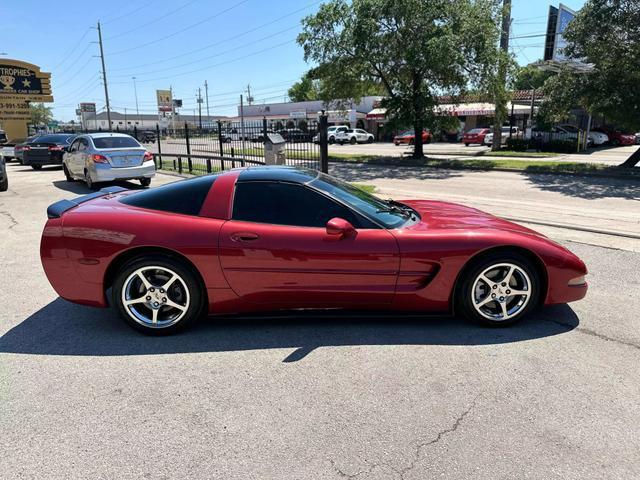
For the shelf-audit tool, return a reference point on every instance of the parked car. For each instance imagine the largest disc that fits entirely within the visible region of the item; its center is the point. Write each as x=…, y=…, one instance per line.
x=332, y=132
x=105, y=157
x=4, y=180
x=515, y=133
x=597, y=138
x=475, y=136
x=3, y=137
x=408, y=137
x=294, y=135
x=147, y=136
x=353, y=136
x=8, y=149
x=273, y=238
x=616, y=137
x=46, y=150
x=18, y=148
x=234, y=134
x=258, y=136
x=559, y=133
x=638, y=138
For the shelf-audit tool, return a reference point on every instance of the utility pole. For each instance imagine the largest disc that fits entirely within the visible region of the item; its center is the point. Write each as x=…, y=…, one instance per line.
x=104, y=77
x=200, y=107
x=503, y=61
x=206, y=94
x=249, y=97
x=135, y=92
x=242, y=122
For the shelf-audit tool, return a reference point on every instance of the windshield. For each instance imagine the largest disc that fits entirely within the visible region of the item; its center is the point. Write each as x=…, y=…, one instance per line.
x=361, y=201
x=475, y=131
x=115, y=142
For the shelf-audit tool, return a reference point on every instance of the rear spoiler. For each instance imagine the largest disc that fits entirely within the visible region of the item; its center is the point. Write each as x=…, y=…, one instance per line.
x=56, y=210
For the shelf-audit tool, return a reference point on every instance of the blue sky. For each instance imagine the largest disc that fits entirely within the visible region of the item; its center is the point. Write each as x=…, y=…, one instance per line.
x=182, y=43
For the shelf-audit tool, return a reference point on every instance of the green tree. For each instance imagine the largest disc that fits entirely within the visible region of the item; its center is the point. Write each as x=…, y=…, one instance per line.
x=606, y=35
x=529, y=78
x=305, y=89
x=416, y=49
x=40, y=114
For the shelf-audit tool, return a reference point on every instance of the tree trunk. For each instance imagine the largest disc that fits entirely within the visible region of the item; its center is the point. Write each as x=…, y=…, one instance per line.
x=418, y=151
x=632, y=161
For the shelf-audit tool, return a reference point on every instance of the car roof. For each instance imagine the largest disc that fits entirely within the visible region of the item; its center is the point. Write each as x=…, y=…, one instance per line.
x=277, y=173
x=107, y=134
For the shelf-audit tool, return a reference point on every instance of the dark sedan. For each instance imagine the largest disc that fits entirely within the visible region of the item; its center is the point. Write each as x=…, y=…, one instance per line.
x=46, y=150
x=19, y=146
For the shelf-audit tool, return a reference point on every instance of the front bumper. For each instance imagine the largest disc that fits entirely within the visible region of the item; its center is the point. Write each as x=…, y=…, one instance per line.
x=107, y=173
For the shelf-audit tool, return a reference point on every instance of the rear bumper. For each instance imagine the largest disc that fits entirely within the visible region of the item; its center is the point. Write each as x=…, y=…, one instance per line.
x=41, y=160
x=107, y=173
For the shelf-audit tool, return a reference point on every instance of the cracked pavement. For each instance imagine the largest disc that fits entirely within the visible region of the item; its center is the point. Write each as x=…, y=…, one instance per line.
x=312, y=397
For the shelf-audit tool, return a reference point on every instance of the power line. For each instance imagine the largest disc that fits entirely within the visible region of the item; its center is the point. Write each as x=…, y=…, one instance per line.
x=137, y=28
x=106, y=22
x=221, y=12
x=75, y=47
x=218, y=42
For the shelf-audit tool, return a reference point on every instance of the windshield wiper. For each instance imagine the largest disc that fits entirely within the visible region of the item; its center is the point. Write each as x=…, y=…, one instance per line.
x=402, y=207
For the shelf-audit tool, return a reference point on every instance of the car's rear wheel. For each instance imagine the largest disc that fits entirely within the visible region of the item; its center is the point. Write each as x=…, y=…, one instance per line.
x=157, y=295
x=353, y=141
x=615, y=142
x=36, y=167
x=4, y=185
x=370, y=140
x=87, y=179
x=499, y=289
x=67, y=175
x=145, y=182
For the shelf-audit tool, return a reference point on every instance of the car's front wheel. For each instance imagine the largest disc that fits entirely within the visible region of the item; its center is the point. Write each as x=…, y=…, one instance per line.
x=36, y=167
x=499, y=289
x=67, y=174
x=145, y=182
x=353, y=141
x=157, y=295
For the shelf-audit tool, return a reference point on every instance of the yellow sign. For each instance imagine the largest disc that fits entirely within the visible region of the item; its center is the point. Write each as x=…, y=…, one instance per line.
x=14, y=107
x=165, y=103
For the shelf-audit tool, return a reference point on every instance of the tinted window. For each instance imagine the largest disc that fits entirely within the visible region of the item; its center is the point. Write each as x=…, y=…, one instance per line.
x=476, y=131
x=115, y=142
x=287, y=204
x=56, y=138
x=185, y=196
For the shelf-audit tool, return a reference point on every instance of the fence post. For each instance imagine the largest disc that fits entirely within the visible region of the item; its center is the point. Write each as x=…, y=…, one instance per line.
x=186, y=137
x=158, y=140
x=324, y=143
x=135, y=132
x=179, y=164
x=220, y=137
x=208, y=165
x=264, y=129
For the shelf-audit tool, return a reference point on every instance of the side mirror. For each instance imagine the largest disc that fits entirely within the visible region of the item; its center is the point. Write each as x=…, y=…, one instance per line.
x=339, y=226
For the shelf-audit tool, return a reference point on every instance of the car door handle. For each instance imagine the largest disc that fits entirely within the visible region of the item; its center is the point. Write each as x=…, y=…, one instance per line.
x=244, y=237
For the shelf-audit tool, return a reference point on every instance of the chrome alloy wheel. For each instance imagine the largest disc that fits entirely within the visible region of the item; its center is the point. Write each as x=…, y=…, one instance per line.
x=501, y=291
x=156, y=297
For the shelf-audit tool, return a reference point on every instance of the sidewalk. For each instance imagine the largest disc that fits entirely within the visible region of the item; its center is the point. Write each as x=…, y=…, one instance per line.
x=574, y=203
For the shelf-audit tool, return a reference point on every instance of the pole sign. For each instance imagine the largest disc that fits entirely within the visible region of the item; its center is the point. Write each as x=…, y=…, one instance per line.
x=559, y=20
x=165, y=103
x=21, y=83
x=298, y=114
x=88, y=107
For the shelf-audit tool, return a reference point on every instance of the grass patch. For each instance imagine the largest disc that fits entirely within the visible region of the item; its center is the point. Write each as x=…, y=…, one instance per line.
x=365, y=187
x=508, y=153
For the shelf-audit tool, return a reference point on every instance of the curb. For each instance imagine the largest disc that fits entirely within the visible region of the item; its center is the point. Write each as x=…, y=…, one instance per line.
x=579, y=228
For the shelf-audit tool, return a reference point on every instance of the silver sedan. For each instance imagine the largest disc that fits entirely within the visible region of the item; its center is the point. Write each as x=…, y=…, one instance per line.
x=105, y=157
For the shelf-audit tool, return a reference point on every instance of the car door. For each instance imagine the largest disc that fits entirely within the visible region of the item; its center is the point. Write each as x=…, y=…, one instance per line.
x=276, y=250
x=69, y=155
x=79, y=157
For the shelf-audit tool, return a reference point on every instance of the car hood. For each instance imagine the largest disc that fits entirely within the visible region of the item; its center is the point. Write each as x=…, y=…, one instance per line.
x=452, y=216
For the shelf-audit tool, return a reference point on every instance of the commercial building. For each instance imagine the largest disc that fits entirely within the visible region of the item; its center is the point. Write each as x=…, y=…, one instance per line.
x=144, y=121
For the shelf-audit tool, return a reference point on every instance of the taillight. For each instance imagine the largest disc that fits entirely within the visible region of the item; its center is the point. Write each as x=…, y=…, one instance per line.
x=148, y=156
x=25, y=148
x=55, y=148
x=97, y=158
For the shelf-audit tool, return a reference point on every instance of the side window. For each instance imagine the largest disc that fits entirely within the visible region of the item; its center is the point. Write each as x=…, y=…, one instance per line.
x=288, y=204
x=83, y=145
x=74, y=146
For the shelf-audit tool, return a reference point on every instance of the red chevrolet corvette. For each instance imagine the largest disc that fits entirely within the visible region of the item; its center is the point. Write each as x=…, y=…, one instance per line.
x=279, y=238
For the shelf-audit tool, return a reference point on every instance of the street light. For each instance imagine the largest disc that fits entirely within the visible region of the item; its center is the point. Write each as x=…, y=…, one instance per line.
x=135, y=92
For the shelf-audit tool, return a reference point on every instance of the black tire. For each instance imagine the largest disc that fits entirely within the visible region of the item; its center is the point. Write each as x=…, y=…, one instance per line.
x=145, y=182
x=370, y=140
x=91, y=185
x=228, y=140
x=67, y=175
x=332, y=140
x=196, y=305
x=412, y=141
x=615, y=142
x=353, y=140
x=36, y=167
x=463, y=295
x=4, y=185
x=466, y=144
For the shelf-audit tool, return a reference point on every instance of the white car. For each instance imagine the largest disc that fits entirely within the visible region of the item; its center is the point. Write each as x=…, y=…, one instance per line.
x=105, y=157
x=332, y=132
x=595, y=138
x=353, y=136
x=488, y=138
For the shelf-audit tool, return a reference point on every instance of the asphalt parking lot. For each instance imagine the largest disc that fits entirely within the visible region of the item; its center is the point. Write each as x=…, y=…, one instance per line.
x=308, y=397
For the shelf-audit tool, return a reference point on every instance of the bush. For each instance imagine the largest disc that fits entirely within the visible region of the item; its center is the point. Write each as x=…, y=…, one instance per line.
x=560, y=146
x=517, y=144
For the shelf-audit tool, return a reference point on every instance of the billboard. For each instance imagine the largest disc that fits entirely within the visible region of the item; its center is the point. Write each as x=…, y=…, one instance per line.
x=165, y=103
x=88, y=107
x=559, y=20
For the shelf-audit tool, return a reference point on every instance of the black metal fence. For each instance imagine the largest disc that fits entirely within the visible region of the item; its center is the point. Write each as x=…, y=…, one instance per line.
x=224, y=145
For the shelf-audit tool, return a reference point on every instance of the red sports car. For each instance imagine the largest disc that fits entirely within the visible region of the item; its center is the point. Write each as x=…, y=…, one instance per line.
x=616, y=137
x=474, y=136
x=280, y=238
x=409, y=137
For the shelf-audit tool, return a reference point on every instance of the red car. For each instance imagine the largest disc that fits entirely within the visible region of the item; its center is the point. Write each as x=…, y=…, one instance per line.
x=616, y=137
x=281, y=238
x=409, y=137
x=475, y=136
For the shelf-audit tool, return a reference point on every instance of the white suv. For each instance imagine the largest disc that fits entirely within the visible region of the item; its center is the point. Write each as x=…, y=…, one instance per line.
x=353, y=136
x=332, y=133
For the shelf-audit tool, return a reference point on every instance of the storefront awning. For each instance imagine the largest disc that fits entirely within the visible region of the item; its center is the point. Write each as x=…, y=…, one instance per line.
x=479, y=109
x=377, y=114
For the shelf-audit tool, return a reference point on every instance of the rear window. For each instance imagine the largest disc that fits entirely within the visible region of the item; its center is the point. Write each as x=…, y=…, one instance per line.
x=115, y=142
x=185, y=196
x=55, y=138
x=476, y=131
